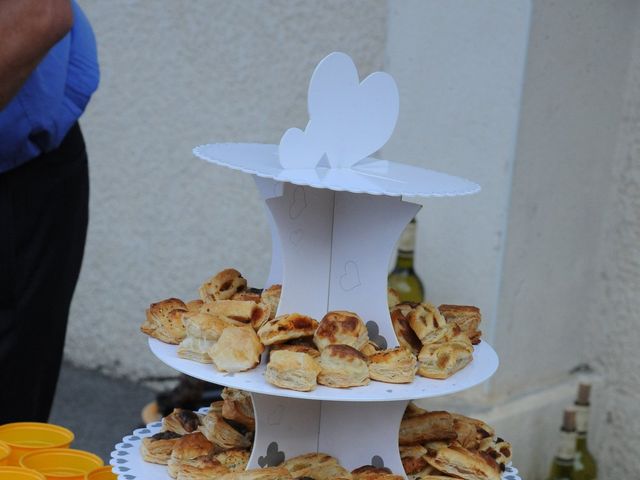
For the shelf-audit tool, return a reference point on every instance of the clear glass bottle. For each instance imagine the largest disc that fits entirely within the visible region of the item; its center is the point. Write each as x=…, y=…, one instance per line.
x=584, y=465
x=562, y=464
x=403, y=278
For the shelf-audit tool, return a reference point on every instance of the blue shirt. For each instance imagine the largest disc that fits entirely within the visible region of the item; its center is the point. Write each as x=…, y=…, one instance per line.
x=53, y=97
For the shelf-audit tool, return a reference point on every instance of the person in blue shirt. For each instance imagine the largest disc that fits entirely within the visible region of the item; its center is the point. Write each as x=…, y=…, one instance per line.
x=48, y=72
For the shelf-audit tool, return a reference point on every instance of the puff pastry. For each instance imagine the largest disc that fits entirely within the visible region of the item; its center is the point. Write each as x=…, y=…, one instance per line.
x=393, y=297
x=287, y=327
x=217, y=406
x=181, y=421
x=201, y=468
x=271, y=296
x=238, y=407
x=238, y=349
x=221, y=434
x=467, y=317
x=196, y=349
x=342, y=366
x=235, y=459
x=413, y=410
x=292, y=370
x=318, y=466
x=443, y=360
x=397, y=365
x=369, y=472
x=413, y=460
x=462, y=463
x=222, y=285
x=483, y=430
x=427, y=322
x=157, y=448
x=404, y=333
x=341, y=328
x=187, y=450
x=269, y=473
x=193, y=306
x=164, y=321
x=238, y=312
x=251, y=294
x=369, y=348
x=427, y=427
x=204, y=325
x=499, y=450
x=301, y=348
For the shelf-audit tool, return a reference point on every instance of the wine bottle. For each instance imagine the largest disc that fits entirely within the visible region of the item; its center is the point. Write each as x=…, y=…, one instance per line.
x=562, y=465
x=403, y=278
x=584, y=465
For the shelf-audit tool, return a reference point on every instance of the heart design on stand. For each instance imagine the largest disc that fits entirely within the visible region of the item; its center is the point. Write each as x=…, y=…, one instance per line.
x=298, y=203
x=350, y=279
x=273, y=458
x=374, y=334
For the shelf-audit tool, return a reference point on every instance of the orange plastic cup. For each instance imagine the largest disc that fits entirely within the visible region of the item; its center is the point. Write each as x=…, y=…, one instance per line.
x=27, y=437
x=62, y=463
x=19, y=473
x=5, y=451
x=103, y=473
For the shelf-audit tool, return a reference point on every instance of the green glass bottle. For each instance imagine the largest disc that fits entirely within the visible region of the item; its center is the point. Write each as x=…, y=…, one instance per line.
x=403, y=278
x=584, y=465
x=562, y=465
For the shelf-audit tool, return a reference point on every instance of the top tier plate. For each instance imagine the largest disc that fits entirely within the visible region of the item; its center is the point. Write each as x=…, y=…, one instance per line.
x=483, y=366
x=372, y=176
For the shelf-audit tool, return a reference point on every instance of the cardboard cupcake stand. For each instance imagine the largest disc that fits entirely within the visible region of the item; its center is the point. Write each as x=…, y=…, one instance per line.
x=335, y=215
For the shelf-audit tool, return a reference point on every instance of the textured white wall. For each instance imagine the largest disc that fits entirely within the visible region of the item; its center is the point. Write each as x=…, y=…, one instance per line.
x=175, y=75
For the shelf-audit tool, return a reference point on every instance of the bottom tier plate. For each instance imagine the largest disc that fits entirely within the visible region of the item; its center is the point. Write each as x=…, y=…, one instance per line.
x=129, y=465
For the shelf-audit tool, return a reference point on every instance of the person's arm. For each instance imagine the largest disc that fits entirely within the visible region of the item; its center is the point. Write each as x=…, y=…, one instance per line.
x=28, y=29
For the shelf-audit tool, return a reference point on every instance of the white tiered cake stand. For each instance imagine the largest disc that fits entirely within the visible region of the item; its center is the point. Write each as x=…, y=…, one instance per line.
x=334, y=229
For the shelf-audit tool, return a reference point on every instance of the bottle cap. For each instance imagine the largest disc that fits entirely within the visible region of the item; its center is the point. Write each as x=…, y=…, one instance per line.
x=569, y=420
x=584, y=391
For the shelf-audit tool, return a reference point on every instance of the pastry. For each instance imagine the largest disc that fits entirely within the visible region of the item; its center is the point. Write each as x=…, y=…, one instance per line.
x=462, y=463
x=158, y=447
x=393, y=297
x=222, y=286
x=413, y=410
x=221, y=434
x=194, y=305
x=413, y=460
x=369, y=472
x=426, y=427
x=342, y=366
x=318, y=466
x=483, y=430
x=204, y=325
x=467, y=436
x=397, y=365
x=404, y=333
x=181, y=421
x=238, y=312
x=269, y=473
x=287, y=327
x=302, y=348
x=443, y=360
x=235, y=459
x=238, y=407
x=187, y=450
x=271, y=296
x=466, y=317
x=427, y=322
x=250, y=294
x=238, y=349
x=499, y=450
x=292, y=370
x=164, y=321
x=196, y=349
x=217, y=406
x=341, y=328
x=201, y=468
x=369, y=348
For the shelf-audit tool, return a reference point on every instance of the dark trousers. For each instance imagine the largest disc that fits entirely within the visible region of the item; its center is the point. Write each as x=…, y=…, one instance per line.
x=43, y=226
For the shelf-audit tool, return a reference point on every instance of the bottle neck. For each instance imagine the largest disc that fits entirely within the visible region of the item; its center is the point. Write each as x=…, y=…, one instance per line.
x=406, y=247
x=582, y=420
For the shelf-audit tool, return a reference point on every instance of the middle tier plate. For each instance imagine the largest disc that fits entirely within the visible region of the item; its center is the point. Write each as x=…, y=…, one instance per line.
x=484, y=364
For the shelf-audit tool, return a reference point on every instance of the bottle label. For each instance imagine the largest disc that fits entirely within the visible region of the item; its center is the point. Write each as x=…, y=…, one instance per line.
x=408, y=239
x=582, y=418
x=567, y=446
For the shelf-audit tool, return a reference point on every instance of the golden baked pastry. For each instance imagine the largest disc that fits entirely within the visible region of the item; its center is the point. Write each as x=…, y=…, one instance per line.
x=221, y=434
x=201, y=468
x=499, y=450
x=235, y=459
x=341, y=328
x=287, y=327
x=396, y=365
x=483, y=430
x=427, y=322
x=369, y=472
x=467, y=436
x=413, y=410
x=467, y=317
x=302, y=348
x=369, y=348
x=462, y=463
x=238, y=312
x=164, y=321
x=238, y=407
x=413, y=460
x=222, y=285
x=271, y=296
x=404, y=333
x=318, y=466
x=427, y=427
x=342, y=366
x=292, y=370
x=393, y=297
x=250, y=294
x=181, y=421
x=194, y=305
x=187, y=450
x=158, y=447
x=204, y=325
x=238, y=349
x=441, y=360
x=217, y=406
x=196, y=349
x=268, y=473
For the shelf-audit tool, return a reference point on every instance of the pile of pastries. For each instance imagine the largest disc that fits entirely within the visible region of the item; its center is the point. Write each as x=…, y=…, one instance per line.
x=433, y=446
x=441, y=445
x=231, y=325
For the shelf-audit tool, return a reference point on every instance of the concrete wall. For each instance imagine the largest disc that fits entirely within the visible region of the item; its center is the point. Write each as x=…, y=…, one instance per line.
x=175, y=75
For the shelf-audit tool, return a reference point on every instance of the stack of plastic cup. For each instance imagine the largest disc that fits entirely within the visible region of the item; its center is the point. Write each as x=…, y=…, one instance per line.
x=102, y=473
x=62, y=463
x=28, y=437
